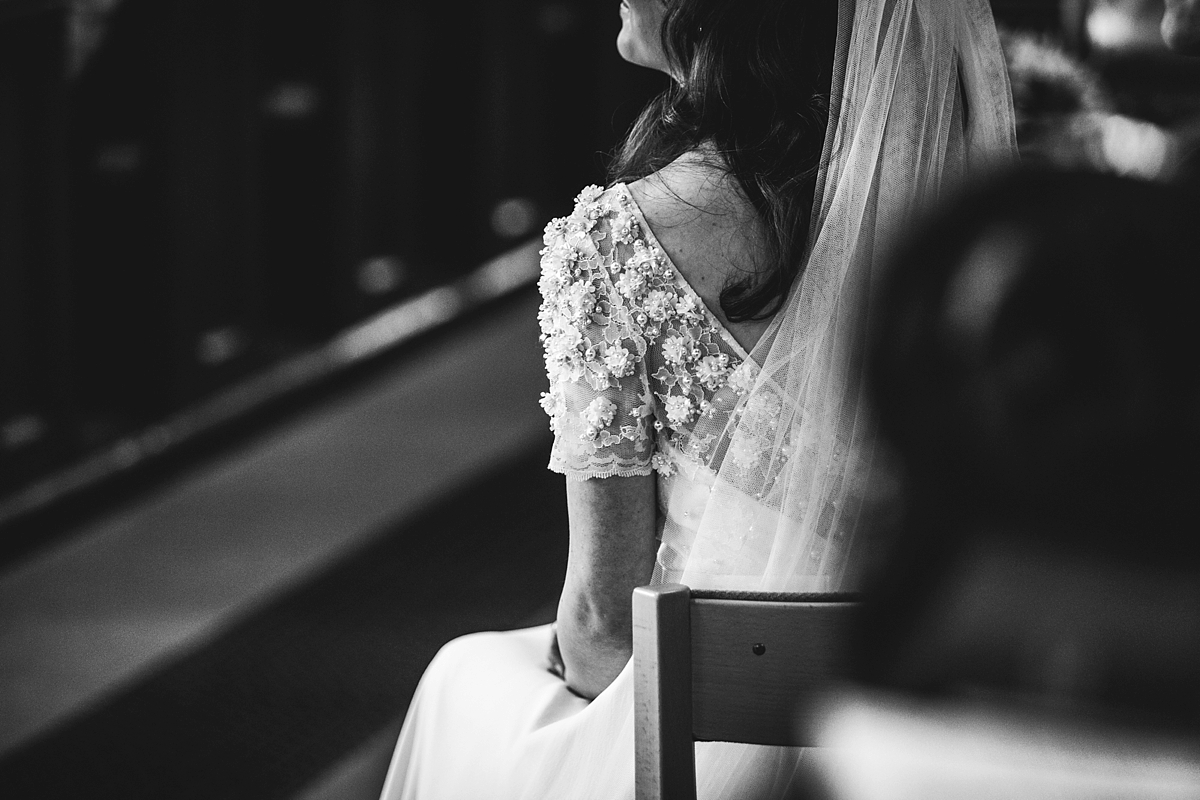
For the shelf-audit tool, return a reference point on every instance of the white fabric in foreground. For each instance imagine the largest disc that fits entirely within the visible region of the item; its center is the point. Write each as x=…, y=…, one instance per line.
x=920, y=100
x=883, y=747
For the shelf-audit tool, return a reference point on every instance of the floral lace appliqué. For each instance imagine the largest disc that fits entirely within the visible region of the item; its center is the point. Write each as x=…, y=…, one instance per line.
x=631, y=353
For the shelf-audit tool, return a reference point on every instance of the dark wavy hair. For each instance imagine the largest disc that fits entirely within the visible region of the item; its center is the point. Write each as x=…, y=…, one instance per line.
x=753, y=79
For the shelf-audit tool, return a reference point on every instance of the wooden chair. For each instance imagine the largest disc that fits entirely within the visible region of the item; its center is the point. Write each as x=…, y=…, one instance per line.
x=725, y=666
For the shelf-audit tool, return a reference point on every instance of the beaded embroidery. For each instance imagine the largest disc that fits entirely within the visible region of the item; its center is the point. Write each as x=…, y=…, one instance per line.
x=613, y=309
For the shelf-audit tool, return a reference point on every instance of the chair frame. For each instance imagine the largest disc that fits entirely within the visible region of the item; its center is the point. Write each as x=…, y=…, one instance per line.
x=726, y=666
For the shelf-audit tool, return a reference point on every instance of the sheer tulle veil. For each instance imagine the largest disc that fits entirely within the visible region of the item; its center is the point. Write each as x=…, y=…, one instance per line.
x=920, y=101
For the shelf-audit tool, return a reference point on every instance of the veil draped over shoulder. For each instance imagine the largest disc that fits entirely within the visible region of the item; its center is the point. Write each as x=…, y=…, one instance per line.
x=920, y=101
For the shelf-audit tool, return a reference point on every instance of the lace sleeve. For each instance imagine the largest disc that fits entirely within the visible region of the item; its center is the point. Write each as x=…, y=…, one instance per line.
x=599, y=402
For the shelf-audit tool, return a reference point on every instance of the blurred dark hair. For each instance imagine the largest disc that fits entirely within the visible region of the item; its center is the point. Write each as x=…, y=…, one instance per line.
x=1033, y=371
x=753, y=78
x=1033, y=350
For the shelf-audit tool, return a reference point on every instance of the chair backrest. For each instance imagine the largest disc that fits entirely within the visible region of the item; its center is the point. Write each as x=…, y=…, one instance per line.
x=725, y=666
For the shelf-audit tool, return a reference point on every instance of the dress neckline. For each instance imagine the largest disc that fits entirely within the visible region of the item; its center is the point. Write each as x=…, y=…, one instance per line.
x=677, y=276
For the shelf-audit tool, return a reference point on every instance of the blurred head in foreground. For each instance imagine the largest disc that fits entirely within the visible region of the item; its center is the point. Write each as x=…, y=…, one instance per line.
x=1036, y=379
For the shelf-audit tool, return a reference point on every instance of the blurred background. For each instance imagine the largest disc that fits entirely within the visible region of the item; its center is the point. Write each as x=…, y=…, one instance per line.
x=267, y=319
x=193, y=191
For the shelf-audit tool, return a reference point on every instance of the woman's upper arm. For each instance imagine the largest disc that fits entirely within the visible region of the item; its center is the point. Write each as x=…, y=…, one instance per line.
x=613, y=542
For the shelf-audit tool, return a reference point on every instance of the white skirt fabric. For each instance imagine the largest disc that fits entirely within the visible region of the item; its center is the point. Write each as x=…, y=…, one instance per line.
x=490, y=721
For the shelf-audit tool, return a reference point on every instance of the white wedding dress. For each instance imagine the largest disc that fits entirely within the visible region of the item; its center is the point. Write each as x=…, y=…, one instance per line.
x=489, y=719
x=761, y=458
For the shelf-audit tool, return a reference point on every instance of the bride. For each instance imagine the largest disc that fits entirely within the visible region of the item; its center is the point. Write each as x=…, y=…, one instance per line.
x=701, y=317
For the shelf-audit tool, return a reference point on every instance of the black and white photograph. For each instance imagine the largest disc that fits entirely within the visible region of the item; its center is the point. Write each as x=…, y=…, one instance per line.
x=600, y=399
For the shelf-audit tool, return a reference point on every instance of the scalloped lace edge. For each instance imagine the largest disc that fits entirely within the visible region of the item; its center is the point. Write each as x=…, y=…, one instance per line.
x=608, y=472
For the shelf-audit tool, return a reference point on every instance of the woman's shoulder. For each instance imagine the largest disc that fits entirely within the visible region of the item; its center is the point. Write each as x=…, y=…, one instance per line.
x=703, y=220
x=694, y=188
